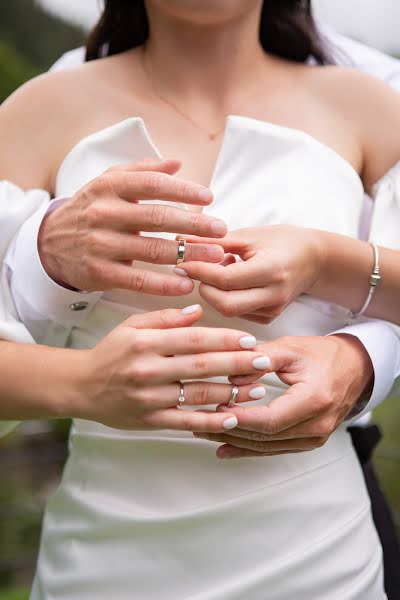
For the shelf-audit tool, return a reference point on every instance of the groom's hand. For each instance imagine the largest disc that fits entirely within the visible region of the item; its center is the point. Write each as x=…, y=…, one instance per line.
x=93, y=241
x=327, y=377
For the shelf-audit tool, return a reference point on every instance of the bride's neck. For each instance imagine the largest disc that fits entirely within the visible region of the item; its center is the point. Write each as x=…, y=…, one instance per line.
x=217, y=61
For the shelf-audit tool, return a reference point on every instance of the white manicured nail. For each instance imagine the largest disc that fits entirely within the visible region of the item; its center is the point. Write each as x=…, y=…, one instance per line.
x=262, y=363
x=190, y=310
x=230, y=423
x=248, y=342
x=180, y=272
x=257, y=393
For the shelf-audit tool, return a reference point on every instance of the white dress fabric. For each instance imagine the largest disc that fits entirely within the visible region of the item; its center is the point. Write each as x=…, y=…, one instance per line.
x=154, y=515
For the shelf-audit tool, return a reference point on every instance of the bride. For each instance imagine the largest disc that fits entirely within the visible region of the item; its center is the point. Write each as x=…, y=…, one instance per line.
x=147, y=512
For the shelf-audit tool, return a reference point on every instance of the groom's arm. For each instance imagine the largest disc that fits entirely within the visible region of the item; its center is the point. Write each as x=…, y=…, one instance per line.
x=381, y=340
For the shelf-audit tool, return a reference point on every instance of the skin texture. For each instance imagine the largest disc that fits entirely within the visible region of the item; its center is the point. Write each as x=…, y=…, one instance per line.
x=203, y=61
x=92, y=240
x=305, y=416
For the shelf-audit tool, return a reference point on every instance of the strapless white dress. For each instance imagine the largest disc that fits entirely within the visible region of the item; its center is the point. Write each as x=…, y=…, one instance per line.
x=154, y=515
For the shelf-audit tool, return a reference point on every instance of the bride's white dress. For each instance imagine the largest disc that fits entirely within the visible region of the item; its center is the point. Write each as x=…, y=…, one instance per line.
x=154, y=515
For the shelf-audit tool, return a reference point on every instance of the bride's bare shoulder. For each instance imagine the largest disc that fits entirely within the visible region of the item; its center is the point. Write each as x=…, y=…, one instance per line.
x=41, y=120
x=33, y=122
x=370, y=107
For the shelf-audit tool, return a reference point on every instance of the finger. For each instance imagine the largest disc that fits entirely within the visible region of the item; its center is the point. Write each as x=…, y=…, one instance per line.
x=233, y=303
x=301, y=444
x=283, y=359
x=169, y=318
x=187, y=420
x=209, y=364
x=196, y=393
x=308, y=430
x=149, y=185
x=160, y=217
x=198, y=340
x=288, y=410
x=229, y=259
x=168, y=165
x=318, y=429
x=241, y=275
x=231, y=242
x=228, y=452
x=264, y=320
x=156, y=250
x=147, y=282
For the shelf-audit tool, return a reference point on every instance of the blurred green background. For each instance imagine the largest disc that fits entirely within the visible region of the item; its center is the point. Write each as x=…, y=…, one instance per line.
x=31, y=459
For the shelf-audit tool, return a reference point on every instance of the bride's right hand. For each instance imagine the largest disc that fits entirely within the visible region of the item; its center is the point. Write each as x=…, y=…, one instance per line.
x=131, y=378
x=89, y=242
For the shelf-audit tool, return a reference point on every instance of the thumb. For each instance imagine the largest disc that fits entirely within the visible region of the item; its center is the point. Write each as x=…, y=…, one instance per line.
x=169, y=318
x=168, y=166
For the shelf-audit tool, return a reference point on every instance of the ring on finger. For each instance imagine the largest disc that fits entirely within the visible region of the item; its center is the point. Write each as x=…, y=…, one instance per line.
x=181, y=252
x=181, y=399
x=235, y=393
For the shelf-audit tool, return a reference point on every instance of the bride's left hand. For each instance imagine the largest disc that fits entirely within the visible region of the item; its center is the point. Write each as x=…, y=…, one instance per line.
x=327, y=377
x=278, y=263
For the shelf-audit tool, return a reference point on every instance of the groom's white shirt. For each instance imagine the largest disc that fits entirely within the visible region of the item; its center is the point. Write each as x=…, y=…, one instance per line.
x=47, y=307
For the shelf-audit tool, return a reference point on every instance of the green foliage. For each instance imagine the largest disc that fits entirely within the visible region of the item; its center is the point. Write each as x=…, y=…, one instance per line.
x=14, y=70
x=387, y=456
x=15, y=593
x=30, y=42
x=39, y=37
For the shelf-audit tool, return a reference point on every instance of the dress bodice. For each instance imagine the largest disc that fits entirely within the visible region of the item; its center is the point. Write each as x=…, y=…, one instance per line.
x=265, y=174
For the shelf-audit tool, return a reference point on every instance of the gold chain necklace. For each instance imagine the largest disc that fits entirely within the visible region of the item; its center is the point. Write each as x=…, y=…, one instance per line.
x=211, y=134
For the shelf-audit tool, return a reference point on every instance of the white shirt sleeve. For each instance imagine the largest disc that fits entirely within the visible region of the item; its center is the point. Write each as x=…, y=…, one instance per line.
x=15, y=207
x=47, y=309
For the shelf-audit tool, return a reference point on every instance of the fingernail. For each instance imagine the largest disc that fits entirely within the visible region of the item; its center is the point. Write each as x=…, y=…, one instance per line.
x=230, y=423
x=186, y=286
x=262, y=363
x=218, y=227
x=181, y=272
x=257, y=393
x=190, y=310
x=205, y=195
x=248, y=342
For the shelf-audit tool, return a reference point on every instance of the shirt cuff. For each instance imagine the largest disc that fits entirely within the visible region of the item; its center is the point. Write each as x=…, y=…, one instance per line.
x=383, y=347
x=30, y=281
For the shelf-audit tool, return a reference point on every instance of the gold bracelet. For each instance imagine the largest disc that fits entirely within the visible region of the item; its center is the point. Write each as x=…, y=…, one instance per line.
x=374, y=281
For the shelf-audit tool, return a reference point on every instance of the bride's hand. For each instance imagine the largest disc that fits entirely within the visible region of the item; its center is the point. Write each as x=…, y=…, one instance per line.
x=90, y=241
x=327, y=376
x=131, y=377
x=278, y=263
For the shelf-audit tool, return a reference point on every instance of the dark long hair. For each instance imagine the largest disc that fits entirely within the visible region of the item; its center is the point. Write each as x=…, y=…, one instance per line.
x=287, y=29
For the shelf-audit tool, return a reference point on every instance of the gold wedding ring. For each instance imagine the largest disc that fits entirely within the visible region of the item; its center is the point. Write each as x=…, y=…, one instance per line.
x=181, y=251
x=235, y=393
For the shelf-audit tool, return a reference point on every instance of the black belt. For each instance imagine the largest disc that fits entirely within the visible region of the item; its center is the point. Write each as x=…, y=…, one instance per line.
x=365, y=440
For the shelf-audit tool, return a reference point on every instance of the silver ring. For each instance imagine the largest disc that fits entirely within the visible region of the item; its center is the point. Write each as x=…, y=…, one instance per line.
x=235, y=393
x=181, y=252
x=181, y=399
